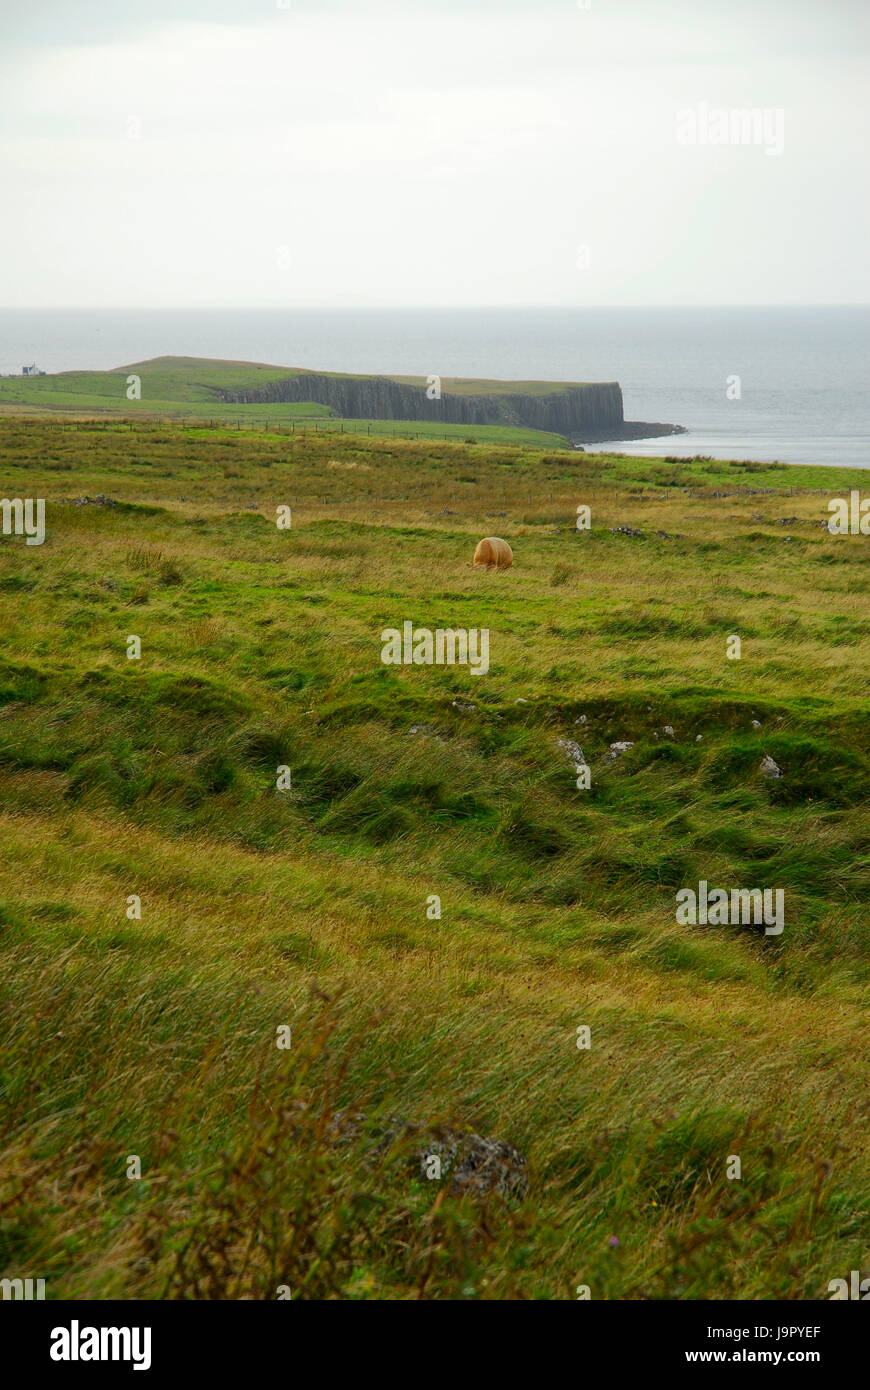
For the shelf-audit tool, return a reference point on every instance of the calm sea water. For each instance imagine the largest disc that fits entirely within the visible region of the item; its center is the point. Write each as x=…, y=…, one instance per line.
x=804, y=373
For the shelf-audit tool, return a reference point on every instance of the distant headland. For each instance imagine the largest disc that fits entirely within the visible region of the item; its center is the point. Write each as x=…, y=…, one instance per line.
x=585, y=412
x=580, y=412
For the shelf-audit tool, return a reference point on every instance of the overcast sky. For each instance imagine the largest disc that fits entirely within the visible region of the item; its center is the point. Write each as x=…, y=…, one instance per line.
x=179, y=153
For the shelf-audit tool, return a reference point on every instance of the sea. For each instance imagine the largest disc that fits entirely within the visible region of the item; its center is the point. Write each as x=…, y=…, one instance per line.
x=778, y=383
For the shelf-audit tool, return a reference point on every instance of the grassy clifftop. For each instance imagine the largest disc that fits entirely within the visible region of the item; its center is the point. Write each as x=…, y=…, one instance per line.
x=307, y=907
x=177, y=386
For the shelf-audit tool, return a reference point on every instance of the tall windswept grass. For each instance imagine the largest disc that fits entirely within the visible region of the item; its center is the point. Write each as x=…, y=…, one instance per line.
x=149, y=1033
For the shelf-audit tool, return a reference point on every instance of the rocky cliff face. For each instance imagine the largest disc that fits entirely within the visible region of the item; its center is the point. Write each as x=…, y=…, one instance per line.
x=594, y=409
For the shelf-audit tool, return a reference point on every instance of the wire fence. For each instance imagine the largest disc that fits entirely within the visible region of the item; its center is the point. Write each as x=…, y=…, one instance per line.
x=300, y=425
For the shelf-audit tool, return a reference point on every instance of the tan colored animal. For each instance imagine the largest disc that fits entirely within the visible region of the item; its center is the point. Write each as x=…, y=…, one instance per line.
x=494, y=553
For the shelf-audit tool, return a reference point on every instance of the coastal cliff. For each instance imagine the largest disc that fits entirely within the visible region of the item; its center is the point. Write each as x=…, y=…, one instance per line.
x=591, y=410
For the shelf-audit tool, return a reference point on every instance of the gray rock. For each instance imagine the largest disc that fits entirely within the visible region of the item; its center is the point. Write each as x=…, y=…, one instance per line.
x=475, y=1165
x=617, y=750
x=470, y=1164
x=426, y=731
x=574, y=752
x=101, y=500
x=768, y=767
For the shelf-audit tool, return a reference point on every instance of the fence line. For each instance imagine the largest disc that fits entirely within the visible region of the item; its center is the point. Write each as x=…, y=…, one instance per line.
x=318, y=425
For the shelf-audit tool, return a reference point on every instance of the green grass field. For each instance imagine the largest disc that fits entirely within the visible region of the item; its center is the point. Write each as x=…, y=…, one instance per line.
x=309, y=907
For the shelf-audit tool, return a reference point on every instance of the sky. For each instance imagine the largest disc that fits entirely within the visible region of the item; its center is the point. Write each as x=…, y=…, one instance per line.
x=281, y=153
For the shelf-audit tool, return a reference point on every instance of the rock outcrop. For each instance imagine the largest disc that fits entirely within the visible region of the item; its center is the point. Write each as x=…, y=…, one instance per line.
x=467, y=1163
x=593, y=409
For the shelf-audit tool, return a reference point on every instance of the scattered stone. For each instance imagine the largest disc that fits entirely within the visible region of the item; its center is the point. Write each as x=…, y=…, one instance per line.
x=768, y=767
x=477, y=1165
x=521, y=701
x=581, y=720
x=463, y=704
x=698, y=737
x=668, y=731
x=473, y=1164
x=101, y=500
x=626, y=531
x=617, y=750
x=756, y=723
x=346, y=1125
x=574, y=752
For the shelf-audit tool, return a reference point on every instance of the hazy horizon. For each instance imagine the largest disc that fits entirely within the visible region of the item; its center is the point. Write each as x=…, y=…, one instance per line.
x=403, y=308
x=210, y=154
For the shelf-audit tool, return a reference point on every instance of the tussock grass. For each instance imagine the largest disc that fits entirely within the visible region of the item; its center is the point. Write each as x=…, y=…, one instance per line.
x=307, y=906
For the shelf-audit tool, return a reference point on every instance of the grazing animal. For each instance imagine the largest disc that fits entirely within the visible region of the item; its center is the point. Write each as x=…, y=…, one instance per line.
x=494, y=553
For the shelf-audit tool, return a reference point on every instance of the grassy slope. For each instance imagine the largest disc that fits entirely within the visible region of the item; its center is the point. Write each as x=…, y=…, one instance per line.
x=262, y=648
x=179, y=387
x=213, y=371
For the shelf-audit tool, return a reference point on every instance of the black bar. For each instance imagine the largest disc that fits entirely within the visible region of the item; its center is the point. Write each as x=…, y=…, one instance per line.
x=612, y=1338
